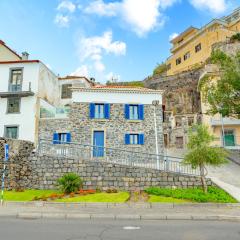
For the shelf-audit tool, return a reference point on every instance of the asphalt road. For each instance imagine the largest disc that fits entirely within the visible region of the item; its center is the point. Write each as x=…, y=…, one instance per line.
x=53, y=229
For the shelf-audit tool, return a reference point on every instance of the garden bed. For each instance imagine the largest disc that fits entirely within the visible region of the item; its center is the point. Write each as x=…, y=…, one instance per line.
x=214, y=195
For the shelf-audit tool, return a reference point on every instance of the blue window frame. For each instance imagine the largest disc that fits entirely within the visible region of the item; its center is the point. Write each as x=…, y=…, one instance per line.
x=134, y=111
x=99, y=111
x=134, y=139
x=61, y=138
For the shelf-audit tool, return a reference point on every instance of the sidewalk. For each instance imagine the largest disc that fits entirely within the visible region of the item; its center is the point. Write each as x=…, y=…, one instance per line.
x=153, y=211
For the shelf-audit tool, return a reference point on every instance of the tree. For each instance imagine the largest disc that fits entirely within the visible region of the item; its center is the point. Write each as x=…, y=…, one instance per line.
x=201, y=153
x=223, y=93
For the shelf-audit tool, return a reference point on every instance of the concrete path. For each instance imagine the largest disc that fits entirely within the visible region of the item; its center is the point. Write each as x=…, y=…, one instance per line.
x=143, y=211
x=227, y=177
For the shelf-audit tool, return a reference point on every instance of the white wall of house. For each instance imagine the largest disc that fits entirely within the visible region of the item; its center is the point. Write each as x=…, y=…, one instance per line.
x=116, y=97
x=25, y=120
x=44, y=85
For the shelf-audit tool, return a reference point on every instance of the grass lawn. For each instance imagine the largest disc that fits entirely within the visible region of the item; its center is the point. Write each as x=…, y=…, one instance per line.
x=120, y=197
x=161, y=199
x=27, y=195
x=214, y=195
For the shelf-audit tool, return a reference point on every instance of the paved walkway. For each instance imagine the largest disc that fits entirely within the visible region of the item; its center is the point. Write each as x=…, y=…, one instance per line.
x=151, y=211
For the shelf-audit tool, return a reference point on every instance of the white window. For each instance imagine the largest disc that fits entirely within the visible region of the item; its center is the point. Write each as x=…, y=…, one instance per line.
x=134, y=139
x=99, y=111
x=133, y=112
x=62, y=137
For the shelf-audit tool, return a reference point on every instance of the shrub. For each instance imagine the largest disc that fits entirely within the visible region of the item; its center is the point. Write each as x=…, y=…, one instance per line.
x=113, y=190
x=214, y=194
x=235, y=37
x=69, y=182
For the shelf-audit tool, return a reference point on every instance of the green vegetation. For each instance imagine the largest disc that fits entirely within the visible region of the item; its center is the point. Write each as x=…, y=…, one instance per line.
x=159, y=69
x=223, y=95
x=27, y=195
x=70, y=182
x=215, y=195
x=162, y=199
x=120, y=197
x=235, y=37
x=130, y=84
x=200, y=153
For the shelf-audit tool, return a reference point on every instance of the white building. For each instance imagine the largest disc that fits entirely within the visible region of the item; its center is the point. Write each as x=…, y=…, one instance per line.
x=30, y=91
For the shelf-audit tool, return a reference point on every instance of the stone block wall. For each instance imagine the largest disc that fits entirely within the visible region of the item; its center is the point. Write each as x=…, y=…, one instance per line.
x=29, y=170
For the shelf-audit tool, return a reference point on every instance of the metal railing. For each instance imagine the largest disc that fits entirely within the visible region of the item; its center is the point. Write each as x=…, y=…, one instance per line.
x=118, y=156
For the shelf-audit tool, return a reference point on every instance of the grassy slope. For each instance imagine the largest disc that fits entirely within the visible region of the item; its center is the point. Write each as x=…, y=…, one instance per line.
x=99, y=197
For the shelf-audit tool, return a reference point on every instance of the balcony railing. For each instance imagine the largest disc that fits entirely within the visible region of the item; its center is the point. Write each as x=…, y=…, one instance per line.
x=117, y=156
x=15, y=88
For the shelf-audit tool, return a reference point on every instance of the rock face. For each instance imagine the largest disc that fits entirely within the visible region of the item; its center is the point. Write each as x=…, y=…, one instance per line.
x=182, y=104
x=27, y=169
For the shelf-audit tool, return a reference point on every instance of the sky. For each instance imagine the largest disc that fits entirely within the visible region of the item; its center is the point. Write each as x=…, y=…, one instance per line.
x=104, y=39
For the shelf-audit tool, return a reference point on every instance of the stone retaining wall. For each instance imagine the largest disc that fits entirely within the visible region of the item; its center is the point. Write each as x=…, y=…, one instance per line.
x=27, y=169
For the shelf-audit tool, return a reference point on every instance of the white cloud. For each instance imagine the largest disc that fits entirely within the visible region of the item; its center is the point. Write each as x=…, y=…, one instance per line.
x=172, y=36
x=102, y=9
x=140, y=16
x=214, y=6
x=61, y=20
x=94, y=47
x=91, y=51
x=99, y=66
x=81, y=71
x=66, y=5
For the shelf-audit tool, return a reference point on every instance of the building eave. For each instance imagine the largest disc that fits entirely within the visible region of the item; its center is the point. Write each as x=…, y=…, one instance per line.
x=117, y=90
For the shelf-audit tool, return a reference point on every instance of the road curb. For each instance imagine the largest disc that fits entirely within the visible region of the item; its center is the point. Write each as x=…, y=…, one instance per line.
x=36, y=215
x=120, y=205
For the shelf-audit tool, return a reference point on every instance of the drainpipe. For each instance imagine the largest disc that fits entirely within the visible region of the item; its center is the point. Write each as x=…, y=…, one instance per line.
x=156, y=103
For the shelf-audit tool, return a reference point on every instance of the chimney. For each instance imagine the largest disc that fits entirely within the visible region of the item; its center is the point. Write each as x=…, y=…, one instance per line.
x=25, y=56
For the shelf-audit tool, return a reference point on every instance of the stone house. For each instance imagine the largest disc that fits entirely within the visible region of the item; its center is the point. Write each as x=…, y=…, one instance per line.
x=110, y=117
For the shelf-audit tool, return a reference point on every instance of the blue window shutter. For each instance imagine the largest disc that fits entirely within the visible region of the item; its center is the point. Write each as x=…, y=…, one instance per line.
x=92, y=110
x=127, y=139
x=107, y=111
x=55, y=138
x=127, y=111
x=68, y=137
x=141, y=139
x=141, y=111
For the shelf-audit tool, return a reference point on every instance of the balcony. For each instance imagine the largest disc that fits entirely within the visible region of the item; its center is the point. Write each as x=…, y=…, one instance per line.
x=225, y=122
x=15, y=90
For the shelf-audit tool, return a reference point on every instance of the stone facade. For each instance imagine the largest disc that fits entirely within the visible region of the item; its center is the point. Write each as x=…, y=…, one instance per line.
x=27, y=169
x=81, y=127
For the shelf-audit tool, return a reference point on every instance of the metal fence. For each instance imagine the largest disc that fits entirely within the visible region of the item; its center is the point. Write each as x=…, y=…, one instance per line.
x=118, y=156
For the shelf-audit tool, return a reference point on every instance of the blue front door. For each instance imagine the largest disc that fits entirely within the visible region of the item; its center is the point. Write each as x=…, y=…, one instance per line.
x=98, y=142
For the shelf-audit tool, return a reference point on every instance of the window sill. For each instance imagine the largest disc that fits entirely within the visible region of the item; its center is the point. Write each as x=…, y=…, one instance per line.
x=99, y=119
x=134, y=121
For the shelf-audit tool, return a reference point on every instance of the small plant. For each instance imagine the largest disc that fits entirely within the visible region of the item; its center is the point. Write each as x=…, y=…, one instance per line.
x=113, y=190
x=53, y=196
x=72, y=194
x=69, y=183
